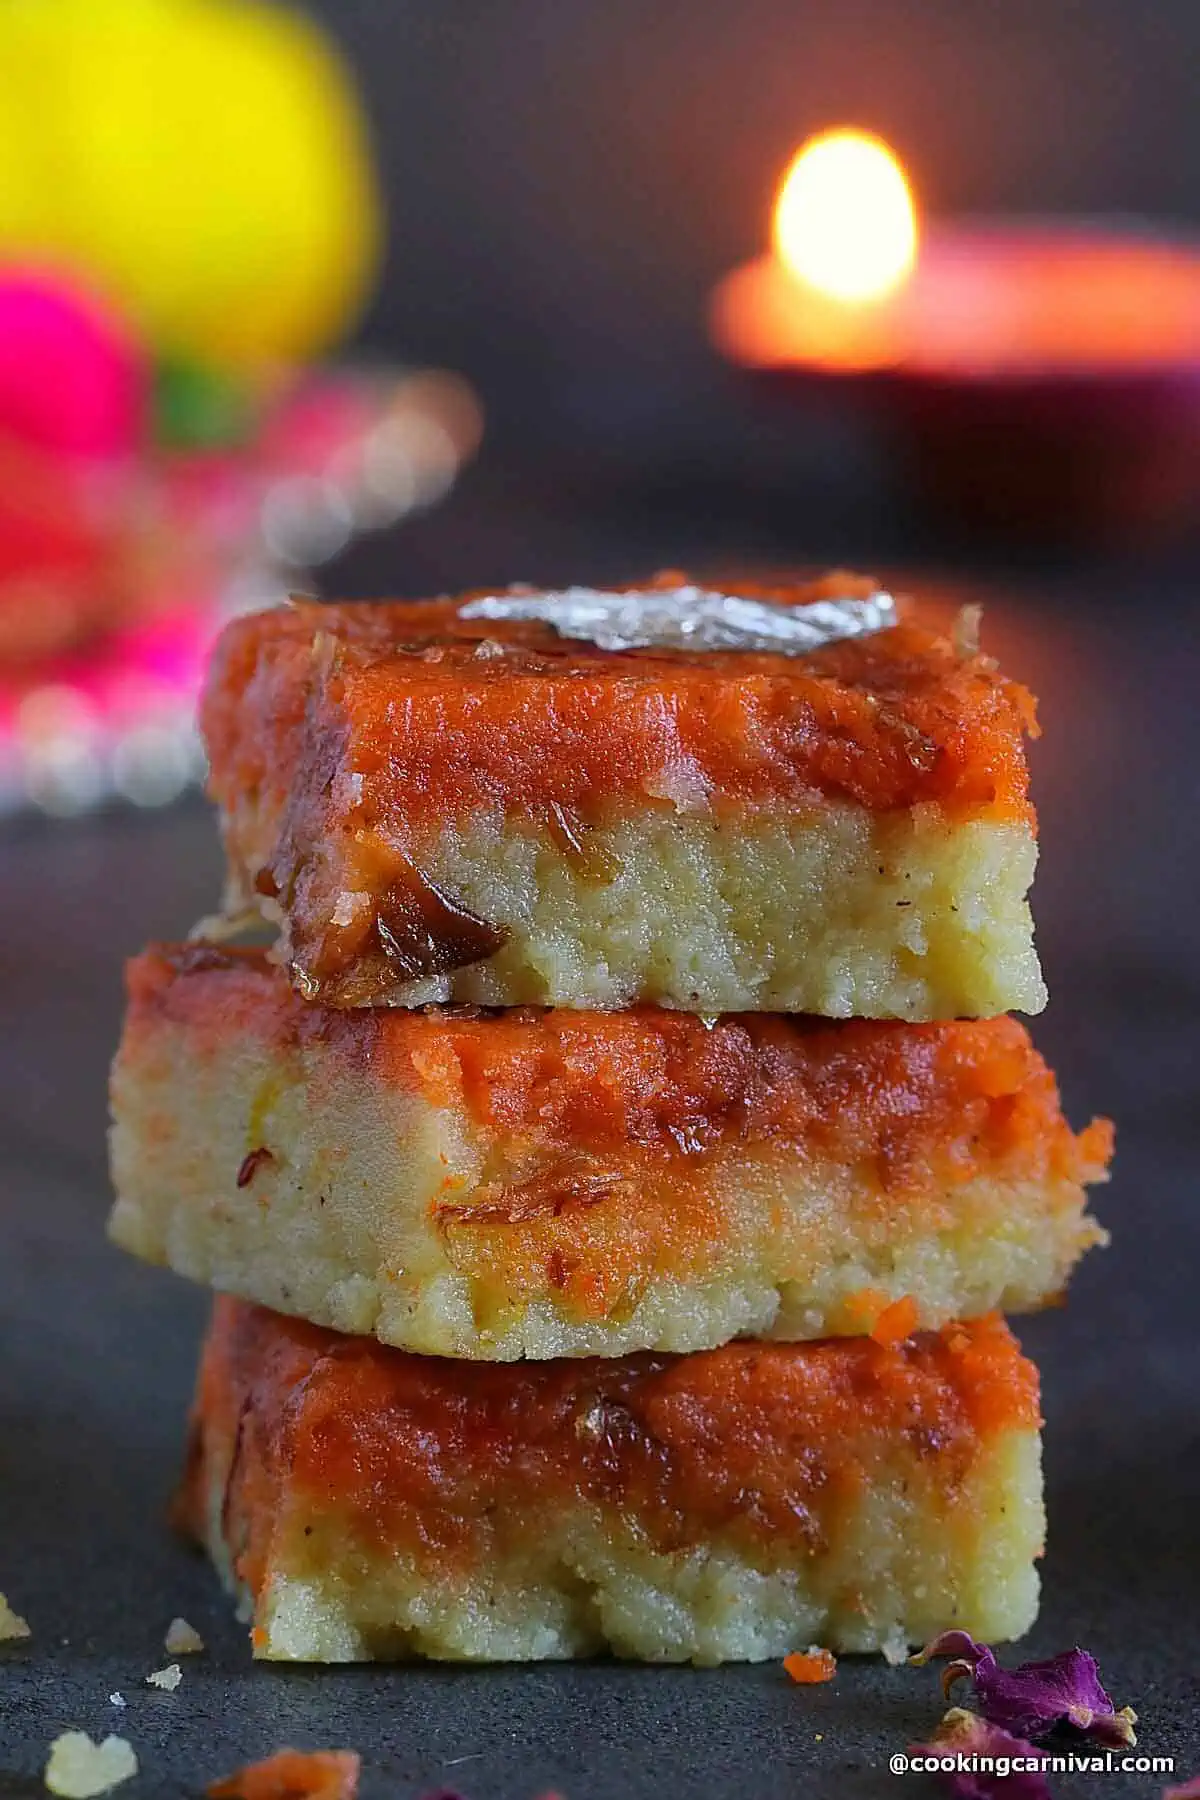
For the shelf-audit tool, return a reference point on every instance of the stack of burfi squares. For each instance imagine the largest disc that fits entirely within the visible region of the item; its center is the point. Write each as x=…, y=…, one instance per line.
x=616, y=1168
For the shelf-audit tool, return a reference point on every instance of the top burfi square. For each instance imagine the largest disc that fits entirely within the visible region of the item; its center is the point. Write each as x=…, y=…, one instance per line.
x=441, y=800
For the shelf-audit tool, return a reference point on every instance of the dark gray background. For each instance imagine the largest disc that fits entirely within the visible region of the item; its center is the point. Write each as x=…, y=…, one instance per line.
x=565, y=182
x=96, y=1354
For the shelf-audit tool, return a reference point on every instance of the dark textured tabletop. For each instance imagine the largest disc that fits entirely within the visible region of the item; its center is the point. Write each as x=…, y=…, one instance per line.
x=96, y=1353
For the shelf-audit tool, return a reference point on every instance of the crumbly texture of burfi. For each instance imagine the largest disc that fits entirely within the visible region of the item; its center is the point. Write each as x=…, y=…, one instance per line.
x=367, y=1504
x=436, y=808
x=564, y=1184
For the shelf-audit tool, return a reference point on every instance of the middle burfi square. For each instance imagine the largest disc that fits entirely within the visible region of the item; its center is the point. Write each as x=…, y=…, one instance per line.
x=555, y=1183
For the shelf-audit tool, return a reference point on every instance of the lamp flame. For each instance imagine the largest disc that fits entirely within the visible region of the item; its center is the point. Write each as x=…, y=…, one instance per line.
x=844, y=219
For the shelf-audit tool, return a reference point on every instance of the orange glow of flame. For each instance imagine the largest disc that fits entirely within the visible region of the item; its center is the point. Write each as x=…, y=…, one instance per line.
x=844, y=221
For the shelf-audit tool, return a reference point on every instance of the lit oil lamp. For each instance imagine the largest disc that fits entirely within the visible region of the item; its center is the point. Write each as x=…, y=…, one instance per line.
x=1045, y=376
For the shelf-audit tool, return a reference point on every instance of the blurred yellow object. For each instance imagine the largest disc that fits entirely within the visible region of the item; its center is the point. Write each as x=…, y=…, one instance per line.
x=203, y=162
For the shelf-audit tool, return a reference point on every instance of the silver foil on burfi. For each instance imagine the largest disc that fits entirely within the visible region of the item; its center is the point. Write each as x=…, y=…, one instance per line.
x=690, y=618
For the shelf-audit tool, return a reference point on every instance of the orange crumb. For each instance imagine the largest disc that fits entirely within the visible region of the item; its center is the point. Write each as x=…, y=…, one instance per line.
x=887, y=1321
x=294, y=1775
x=1094, y=1148
x=897, y=1321
x=864, y=1306
x=811, y=1666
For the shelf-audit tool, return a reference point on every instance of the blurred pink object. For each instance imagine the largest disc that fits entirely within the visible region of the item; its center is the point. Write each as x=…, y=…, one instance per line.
x=72, y=379
x=116, y=576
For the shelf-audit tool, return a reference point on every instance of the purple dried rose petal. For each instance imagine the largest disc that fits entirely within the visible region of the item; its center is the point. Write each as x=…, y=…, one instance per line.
x=1188, y=1790
x=1035, y=1698
x=963, y=1733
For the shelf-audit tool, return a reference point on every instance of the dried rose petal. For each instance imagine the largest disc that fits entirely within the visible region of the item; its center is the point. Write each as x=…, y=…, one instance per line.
x=963, y=1733
x=1188, y=1790
x=1035, y=1698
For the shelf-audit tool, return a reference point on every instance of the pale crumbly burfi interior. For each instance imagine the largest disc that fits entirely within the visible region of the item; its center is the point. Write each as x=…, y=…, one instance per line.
x=912, y=1558
x=339, y=1225
x=842, y=912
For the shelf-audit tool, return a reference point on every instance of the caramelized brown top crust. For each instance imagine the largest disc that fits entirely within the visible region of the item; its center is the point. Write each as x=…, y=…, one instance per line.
x=918, y=1105
x=409, y=713
x=768, y=1443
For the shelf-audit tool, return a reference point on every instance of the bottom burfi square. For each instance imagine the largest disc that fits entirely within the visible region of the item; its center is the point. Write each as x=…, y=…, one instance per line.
x=731, y=1505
